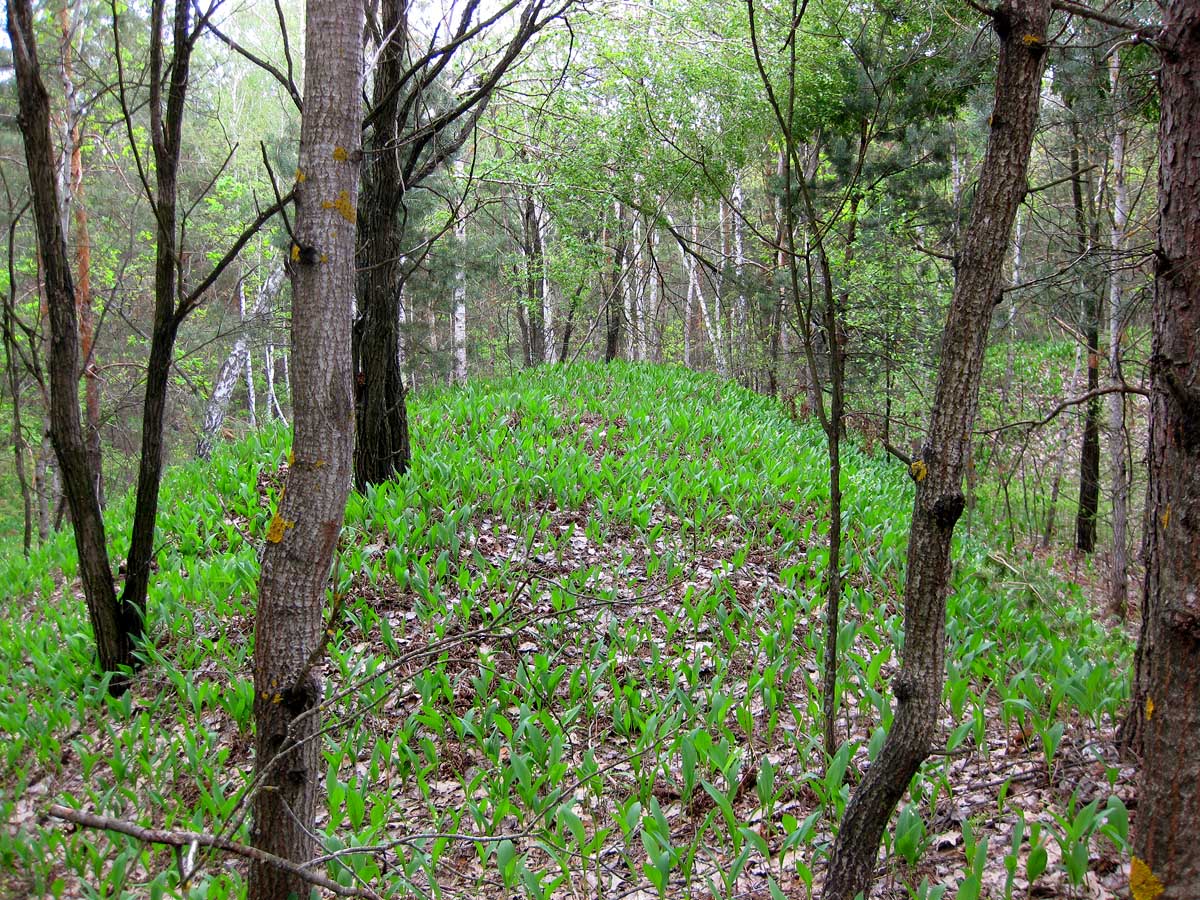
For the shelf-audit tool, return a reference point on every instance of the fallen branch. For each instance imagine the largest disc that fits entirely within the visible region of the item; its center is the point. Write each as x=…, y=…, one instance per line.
x=189, y=839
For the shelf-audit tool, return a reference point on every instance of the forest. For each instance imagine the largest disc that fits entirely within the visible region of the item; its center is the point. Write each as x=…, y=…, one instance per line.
x=741, y=450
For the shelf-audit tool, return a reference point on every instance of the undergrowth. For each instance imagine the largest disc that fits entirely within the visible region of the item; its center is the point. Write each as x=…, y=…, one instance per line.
x=579, y=654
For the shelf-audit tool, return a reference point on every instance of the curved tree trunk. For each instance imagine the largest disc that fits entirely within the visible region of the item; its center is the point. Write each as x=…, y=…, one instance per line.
x=303, y=535
x=1167, y=692
x=1021, y=27
x=110, y=619
x=237, y=362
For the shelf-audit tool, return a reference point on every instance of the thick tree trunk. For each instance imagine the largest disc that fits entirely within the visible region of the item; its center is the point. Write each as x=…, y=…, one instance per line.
x=303, y=534
x=382, y=447
x=938, y=472
x=111, y=621
x=1166, y=831
x=83, y=254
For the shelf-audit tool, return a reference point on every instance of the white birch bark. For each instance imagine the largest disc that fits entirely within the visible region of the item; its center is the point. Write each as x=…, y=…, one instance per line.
x=542, y=222
x=1119, y=577
x=235, y=364
x=247, y=359
x=712, y=324
x=460, y=291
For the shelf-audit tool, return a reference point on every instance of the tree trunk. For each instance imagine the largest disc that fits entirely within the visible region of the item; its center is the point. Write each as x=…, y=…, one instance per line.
x=460, y=293
x=938, y=472
x=110, y=619
x=1060, y=466
x=83, y=255
x=382, y=447
x=1167, y=692
x=13, y=372
x=304, y=532
x=1118, y=436
x=1089, y=451
x=237, y=361
x=535, y=283
x=612, y=305
x=166, y=132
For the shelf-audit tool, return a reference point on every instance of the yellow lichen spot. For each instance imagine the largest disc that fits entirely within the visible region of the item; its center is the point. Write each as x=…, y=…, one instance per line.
x=1166, y=517
x=1143, y=884
x=277, y=528
x=1149, y=708
x=342, y=205
x=340, y=154
x=918, y=470
x=295, y=253
x=1031, y=40
x=324, y=258
x=291, y=458
x=300, y=177
x=277, y=698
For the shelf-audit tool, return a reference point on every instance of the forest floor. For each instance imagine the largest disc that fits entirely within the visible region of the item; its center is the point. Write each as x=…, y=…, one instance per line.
x=579, y=656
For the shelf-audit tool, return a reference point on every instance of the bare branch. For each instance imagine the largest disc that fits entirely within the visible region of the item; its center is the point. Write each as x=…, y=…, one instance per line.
x=188, y=839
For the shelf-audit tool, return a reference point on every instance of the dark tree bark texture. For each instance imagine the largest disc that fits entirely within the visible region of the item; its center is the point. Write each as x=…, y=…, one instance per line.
x=382, y=447
x=1021, y=28
x=303, y=534
x=113, y=623
x=1166, y=831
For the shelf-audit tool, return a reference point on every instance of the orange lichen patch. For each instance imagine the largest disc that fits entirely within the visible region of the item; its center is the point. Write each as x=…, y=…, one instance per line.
x=342, y=205
x=340, y=154
x=1149, y=708
x=295, y=253
x=278, y=526
x=1143, y=884
x=1031, y=40
x=918, y=470
x=1166, y=517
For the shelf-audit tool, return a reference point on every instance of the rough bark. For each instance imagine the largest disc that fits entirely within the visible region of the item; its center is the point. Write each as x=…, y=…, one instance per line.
x=303, y=534
x=83, y=254
x=405, y=143
x=110, y=619
x=1167, y=695
x=382, y=447
x=1021, y=27
x=612, y=305
x=13, y=373
x=166, y=136
x=1089, y=449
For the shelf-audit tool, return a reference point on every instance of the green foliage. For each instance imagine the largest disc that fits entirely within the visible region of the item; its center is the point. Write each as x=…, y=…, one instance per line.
x=589, y=613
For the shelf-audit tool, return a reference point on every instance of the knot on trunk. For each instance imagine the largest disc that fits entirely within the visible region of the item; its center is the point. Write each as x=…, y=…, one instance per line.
x=947, y=509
